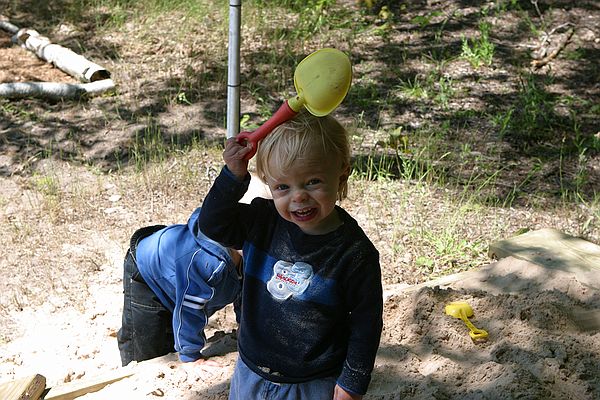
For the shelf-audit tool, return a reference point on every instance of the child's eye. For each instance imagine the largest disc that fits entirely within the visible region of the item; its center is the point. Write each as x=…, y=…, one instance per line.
x=314, y=181
x=281, y=187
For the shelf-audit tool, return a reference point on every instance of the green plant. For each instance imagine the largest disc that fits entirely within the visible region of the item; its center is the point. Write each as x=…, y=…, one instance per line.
x=311, y=16
x=443, y=249
x=46, y=184
x=8, y=109
x=424, y=20
x=425, y=264
x=502, y=121
x=575, y=55
x=535, y=107
x=445, y=91
x=113, y=14
x=384, y=29
x=575, y=152
x=532, y=117
x=364, y=94
x=503, y=6
x=375, y=167
x=439, y=32
x=414, y=88
x=479, y=51
x=434, y=85
x=413, y=167
x=245, y=124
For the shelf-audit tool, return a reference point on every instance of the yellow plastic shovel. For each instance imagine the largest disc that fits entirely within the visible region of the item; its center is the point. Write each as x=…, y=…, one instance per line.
x=322, y=80
x=462, y=310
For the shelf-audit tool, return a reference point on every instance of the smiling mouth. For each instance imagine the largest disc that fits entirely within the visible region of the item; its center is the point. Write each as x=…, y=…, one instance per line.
x=305, y=214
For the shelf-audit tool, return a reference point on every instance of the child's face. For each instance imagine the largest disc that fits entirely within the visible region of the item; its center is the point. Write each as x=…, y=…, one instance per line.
x=306, y=193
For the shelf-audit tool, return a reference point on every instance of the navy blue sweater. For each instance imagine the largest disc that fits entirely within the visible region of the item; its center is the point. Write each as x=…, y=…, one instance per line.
x=311, y=304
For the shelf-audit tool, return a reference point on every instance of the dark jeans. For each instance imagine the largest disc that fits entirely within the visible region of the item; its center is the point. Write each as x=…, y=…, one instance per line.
x=147, y=330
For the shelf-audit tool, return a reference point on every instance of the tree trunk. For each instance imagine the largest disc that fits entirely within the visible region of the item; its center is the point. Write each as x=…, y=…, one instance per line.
x=61, y=57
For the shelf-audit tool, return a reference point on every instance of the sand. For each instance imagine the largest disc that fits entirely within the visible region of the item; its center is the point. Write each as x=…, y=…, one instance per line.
x=543, y=342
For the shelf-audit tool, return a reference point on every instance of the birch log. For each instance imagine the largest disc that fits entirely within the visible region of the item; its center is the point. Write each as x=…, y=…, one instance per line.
x=7, y=26
x=61, y=57
x=54, y=90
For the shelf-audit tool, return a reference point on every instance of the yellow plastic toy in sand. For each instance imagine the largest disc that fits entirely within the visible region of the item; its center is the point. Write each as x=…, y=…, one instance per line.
x=462, y=310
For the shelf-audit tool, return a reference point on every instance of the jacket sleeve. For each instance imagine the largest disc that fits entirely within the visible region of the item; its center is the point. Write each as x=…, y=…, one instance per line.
x=189, y=315
x=222, y=218
x=365, y=299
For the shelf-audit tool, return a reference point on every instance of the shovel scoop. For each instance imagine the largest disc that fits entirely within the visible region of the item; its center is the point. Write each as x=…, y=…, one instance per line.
x=322, y=80
x=462, y=310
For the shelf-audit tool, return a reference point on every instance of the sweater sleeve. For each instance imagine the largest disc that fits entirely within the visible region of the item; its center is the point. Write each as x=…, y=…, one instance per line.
x=222, y=217
x=365, y=298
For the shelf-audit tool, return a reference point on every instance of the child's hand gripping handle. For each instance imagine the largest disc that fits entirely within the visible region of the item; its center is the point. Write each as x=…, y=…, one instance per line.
x=283, y=114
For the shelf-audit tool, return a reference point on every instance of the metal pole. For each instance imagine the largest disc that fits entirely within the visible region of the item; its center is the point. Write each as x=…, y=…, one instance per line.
x=233, y=69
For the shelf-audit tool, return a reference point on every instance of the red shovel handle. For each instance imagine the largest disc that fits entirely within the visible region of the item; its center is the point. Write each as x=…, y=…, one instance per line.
x=283, y=114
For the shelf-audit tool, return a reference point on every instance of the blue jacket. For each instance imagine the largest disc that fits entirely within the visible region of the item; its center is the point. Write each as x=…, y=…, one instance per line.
x=192, y=275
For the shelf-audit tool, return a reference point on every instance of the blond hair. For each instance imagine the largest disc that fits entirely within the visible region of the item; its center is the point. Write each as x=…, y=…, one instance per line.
x=304, y=137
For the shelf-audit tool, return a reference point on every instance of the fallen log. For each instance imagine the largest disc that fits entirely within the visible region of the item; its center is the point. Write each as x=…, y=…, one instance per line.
x=61, y=57
x=55, y=90
x=7, y=26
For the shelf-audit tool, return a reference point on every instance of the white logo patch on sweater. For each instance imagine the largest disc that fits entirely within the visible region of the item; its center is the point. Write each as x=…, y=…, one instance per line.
x=289, y=279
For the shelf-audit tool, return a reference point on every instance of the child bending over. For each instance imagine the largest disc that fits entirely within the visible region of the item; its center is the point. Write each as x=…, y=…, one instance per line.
x=174, y=279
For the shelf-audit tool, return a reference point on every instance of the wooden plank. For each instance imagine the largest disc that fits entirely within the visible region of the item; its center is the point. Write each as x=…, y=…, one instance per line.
x=550, y=248
x=513, y=275
x=28, y=388
x=81, y=387
x=553, y=249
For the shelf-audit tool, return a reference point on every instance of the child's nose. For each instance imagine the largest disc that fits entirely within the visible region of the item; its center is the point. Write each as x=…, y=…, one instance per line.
x=299, y=195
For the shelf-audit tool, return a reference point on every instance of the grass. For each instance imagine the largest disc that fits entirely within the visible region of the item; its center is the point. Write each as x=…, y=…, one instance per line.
x=443, y=164
x=10, y=110
x=149, y=146
x=479, y=51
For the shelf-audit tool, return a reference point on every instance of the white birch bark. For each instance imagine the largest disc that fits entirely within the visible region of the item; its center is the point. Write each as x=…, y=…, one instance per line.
x=61, y=57
x=54, y=90
x=7, y=26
